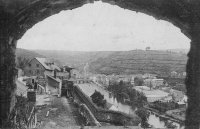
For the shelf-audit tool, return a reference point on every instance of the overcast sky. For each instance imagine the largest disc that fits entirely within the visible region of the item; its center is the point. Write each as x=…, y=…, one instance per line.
x=100, y=27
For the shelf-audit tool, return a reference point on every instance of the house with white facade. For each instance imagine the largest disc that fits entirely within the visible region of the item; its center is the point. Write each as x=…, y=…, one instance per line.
x=40, y=67
x=154, y=82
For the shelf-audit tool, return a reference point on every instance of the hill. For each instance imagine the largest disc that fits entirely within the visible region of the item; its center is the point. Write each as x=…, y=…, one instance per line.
x=183, y=51
x=117, y=62
x=23, y=56
x=77, y=59
x=140, y=61
x=28, y=54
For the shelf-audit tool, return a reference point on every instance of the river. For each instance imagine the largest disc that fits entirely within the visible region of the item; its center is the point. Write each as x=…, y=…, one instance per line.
x=154, y=120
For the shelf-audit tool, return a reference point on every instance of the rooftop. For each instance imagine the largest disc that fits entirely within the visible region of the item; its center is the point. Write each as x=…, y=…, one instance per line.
x=151, y=93
x=47, y=63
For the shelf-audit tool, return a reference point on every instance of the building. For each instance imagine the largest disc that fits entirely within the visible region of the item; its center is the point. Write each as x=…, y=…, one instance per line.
x=102, y=79
x=124, y=78
x=112, y=79
x=173, y=74
x=40, y=67
x=152, y=95
x=76, y=74
x=132, y=80
x=148, y=75
x=167, y=99
x=177, y=95
x=154, y=82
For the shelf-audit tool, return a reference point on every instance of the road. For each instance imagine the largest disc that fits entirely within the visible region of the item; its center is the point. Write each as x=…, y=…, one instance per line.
x=62, y=114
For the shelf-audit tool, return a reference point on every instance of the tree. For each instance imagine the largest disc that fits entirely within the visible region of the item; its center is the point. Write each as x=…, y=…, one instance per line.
x=148, y=48
x=137, y=99
x=138, y=81
x=98, y=99
x=143, y=114
x=141, y=99
x=170, y=125
x=124, y=91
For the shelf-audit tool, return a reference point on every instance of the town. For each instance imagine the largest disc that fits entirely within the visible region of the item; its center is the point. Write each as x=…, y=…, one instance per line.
x=63, y=96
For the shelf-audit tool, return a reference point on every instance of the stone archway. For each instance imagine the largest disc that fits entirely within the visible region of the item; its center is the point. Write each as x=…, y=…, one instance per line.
x=17, y=16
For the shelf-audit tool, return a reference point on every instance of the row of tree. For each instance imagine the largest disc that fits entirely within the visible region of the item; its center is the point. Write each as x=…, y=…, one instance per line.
x=123, y=91
x=137, y=100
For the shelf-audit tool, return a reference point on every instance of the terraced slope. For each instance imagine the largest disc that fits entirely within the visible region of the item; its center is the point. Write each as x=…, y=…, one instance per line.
x=139, y=61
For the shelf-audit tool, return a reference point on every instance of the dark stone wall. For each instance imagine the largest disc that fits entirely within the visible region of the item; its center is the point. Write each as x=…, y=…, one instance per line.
x=8, y=74
x=17, y=16
x=193, y=79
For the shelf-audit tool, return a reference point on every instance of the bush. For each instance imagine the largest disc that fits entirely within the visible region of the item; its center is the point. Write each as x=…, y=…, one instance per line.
x=98, y=99
x=138, y=81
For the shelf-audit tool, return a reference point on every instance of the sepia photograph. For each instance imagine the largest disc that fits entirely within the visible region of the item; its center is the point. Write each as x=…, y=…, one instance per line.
x=100, y=64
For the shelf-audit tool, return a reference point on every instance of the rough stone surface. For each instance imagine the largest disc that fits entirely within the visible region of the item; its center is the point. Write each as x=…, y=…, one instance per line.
x=17, y=16
x=193, y=79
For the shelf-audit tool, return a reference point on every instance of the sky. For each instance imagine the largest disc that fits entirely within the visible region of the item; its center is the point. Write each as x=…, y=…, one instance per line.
x=102, y=27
